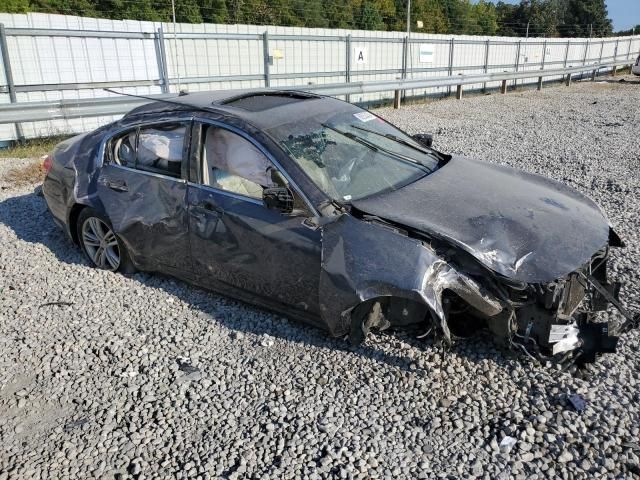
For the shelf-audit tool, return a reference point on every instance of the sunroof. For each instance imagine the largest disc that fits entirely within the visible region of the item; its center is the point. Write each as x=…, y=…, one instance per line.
x=257, y=102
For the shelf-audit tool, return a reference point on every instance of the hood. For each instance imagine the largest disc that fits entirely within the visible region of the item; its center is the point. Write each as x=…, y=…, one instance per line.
x=523, y=226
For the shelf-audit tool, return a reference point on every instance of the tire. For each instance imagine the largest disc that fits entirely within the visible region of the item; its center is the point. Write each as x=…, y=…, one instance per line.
x=104, y=249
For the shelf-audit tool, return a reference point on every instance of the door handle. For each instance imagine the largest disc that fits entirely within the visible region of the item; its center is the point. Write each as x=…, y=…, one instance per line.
x=117, y=186
x=210, y=207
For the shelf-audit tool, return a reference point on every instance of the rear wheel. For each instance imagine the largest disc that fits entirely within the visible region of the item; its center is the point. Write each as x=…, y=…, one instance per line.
x=100, y=244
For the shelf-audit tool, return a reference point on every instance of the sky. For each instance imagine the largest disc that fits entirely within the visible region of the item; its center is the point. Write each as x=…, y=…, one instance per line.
x=624, y=13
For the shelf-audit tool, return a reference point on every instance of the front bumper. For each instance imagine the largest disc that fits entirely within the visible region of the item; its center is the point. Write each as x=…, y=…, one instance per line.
x=568, y=328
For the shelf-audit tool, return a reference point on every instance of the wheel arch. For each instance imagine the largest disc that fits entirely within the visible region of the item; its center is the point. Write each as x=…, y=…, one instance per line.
x=74, y=214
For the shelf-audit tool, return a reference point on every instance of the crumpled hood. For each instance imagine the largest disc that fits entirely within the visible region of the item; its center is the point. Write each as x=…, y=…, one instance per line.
x=522, y=226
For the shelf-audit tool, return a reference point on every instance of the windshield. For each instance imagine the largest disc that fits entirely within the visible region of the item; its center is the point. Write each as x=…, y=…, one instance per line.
x=353, y=154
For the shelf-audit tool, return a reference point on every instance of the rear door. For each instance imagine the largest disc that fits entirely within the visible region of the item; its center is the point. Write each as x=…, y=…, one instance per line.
x=142, y=189
x=236, y=241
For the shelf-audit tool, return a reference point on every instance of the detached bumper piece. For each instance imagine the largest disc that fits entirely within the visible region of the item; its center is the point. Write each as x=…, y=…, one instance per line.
x=561, y=321
x=596, y=339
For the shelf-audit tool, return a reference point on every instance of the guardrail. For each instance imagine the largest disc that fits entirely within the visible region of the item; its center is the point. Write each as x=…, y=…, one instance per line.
x=67, y=109
x=394, y=62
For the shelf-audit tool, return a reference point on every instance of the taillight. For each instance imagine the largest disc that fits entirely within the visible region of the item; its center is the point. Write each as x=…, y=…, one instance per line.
x=47, y=163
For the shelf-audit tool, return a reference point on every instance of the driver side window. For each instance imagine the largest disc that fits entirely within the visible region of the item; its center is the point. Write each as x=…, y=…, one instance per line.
x=232, y=163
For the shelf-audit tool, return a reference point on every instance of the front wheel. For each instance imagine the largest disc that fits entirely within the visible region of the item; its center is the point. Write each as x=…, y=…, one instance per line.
x=100, y=244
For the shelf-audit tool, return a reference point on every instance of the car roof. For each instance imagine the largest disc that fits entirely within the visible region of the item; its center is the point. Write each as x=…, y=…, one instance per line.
x=261, y=107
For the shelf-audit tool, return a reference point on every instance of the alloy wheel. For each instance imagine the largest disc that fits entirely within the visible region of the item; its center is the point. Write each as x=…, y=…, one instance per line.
x=101, y=244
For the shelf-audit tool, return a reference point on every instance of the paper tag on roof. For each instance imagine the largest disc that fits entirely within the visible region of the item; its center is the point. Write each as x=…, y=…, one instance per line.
x=364, y=116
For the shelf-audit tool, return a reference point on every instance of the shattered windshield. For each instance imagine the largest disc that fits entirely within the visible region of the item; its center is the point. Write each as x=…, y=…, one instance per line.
x=353, y=154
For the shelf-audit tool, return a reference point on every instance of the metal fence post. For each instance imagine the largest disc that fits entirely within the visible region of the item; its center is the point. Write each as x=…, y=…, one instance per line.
x=584, y=58
x=568, y=81
x=586, y=52
x=265, y=55
x=163, y=67
x=544, y=57
x=517, y=65
x=594, y=74
x=158, y=43
x=451, y=47
x=405, y=61
x=566, y=56
x=347, y=75
x=486, y=62
x=629, y=49
x=8, y=73
x=601, y=50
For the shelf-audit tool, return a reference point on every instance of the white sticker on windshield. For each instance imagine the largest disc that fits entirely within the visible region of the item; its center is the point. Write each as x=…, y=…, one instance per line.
x=364, y=116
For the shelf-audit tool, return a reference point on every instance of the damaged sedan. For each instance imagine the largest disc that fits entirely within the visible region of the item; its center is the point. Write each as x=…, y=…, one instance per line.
x=324, y=212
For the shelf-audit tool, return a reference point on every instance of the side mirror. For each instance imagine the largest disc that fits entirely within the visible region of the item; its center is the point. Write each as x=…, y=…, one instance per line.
x=277, y=178
x=278, y=198
x=425, y=139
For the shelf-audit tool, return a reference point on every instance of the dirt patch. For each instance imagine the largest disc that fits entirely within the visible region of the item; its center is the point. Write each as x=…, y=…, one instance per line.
x=24, y=175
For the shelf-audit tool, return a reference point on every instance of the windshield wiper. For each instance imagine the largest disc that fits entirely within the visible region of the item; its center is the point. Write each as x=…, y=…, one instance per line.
x=378, y=148
x=396, y=139
x=429, y=151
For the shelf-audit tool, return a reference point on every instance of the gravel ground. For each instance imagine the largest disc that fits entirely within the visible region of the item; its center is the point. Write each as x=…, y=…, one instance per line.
x=146, y=377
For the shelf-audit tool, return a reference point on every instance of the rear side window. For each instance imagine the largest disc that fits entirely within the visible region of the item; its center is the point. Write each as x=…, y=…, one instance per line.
x=157, y=148
x=124, y=149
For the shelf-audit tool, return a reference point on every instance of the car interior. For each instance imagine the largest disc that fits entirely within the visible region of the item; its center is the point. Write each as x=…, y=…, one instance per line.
x=232, y=163
x=159, y=149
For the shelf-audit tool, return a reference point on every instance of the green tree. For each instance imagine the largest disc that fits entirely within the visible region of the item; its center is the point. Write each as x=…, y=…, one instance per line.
x=484, y=18
x=66, y=7
x=339, y=14
x=475, y=17
x=138, y=10
x=14, y=6
x=584, y=17
x=632, y=31
x=370, y=17
x=309, y=13
x=431, y=14
x=214, y=11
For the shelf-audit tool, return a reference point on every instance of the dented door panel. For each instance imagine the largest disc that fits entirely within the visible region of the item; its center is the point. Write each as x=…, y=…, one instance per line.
x=240, y=242
x=148, y=212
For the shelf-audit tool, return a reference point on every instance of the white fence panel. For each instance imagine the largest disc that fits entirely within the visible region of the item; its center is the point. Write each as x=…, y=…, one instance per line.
x=77, y=63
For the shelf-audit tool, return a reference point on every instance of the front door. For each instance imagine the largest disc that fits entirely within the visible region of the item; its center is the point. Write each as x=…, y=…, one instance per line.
x=239, y=243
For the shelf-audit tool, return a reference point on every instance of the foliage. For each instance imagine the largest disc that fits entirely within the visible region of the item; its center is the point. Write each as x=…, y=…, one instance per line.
x=565, y=18
x=471, y=17
x=32, y=148
x=632, y=31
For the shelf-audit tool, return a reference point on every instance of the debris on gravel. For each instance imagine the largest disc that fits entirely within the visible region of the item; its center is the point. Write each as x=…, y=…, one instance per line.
x=143, y=376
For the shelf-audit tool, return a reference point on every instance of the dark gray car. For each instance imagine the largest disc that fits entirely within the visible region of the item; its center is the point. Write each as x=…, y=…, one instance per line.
x=320, y=210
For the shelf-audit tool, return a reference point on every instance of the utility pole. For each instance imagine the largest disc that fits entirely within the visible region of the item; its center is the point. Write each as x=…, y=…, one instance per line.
x=590, y=30
x=408, y=18
x=527, y=35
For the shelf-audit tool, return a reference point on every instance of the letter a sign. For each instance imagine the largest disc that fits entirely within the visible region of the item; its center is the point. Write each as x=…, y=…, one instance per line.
x=359, y=55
